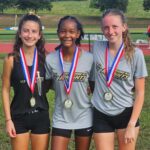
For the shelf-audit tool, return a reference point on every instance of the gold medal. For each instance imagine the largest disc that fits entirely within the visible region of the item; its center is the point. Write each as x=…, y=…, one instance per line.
x=108, y=96
x=68, y=103
x=32, y=102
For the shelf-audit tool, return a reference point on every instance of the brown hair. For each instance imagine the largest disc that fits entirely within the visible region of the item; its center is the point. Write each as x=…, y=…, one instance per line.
x=128, y=45
x=18, y=42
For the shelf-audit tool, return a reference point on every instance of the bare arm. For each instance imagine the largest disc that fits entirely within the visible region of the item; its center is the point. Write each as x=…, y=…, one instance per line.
x=6, y=75
x=139, y=100
x=137, y=107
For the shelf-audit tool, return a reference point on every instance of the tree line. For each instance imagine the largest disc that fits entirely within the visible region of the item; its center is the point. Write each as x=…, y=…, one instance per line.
x=28, y=5
x=36, y=5
x=119, y=4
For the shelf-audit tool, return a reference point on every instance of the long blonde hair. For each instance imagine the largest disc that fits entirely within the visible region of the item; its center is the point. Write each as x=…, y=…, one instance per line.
x=128, y=45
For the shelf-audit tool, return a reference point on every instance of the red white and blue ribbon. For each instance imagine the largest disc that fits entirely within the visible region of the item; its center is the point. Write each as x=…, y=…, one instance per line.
x=68, y=83
x=30, y=80
x=109, y=72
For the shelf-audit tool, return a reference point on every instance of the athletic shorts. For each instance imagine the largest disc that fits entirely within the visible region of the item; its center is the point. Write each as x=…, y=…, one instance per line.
x=103, y=123
x=36, y=121
x=67, y=133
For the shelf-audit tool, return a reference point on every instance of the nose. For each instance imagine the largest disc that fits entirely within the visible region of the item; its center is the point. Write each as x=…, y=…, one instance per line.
x=29, y=34
x=67, y=34
x=110, y=30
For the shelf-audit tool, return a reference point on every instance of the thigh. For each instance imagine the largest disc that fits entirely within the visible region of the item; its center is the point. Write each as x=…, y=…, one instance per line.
x=60, y=138
x=39, y=141
x=83, y=138
x=121, y=140
x=104, y=141
x=59, y=143
x=21, y=141
x=82, y=142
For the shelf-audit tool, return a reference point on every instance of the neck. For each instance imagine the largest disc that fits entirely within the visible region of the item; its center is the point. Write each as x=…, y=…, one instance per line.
x=68, y=53
x=28, y=50
x=114, y=47
x=29, y=54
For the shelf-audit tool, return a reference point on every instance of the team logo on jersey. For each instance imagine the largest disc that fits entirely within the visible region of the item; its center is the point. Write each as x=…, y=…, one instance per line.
x=119, y=74
x=78, y=77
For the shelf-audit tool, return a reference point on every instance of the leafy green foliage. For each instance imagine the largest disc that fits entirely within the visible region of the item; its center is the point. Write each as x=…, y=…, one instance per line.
x=146, y=5
x=4, y=4
x=107, y=4
x=34, y=5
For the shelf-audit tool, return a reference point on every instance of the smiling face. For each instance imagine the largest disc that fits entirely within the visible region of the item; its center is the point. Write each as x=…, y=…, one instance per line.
x=68, y=33
x=113, y=28
x=30, y=33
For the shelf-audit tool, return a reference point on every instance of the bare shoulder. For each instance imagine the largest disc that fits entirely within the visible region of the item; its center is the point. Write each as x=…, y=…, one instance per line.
x=8, y=61
x=7, y=66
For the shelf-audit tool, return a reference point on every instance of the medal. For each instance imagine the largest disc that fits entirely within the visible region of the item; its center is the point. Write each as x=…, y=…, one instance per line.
x=68, y=82
x=109, y=73
x=32, y=102
x=108, y=96
x=111, y=69
x=30, y=79
x=68, y=103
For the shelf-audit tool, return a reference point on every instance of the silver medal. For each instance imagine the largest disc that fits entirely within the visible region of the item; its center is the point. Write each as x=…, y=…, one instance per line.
x=32, y=102
x=68, y=103
x=108, y=96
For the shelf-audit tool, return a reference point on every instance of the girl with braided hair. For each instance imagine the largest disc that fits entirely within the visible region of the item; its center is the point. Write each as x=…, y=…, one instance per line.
x=69, y=67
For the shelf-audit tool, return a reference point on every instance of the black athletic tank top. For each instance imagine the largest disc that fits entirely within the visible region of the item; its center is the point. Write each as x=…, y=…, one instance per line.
x=22, y=93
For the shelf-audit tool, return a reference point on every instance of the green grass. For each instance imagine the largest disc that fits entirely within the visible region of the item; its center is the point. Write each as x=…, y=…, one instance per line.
x=142, y=144
x=138, y=20
x=81, y=8
x=137, y=17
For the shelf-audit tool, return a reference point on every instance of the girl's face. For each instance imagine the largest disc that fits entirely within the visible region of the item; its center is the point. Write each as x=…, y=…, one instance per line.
x=30, y=33
x=68, y=33
x=113, y=28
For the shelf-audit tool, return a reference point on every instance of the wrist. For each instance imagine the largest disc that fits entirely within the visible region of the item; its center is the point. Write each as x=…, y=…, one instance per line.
x=132, y=123
x=7, y=120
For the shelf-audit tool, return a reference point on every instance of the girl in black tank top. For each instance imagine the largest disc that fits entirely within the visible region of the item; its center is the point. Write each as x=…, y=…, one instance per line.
x=27, y=118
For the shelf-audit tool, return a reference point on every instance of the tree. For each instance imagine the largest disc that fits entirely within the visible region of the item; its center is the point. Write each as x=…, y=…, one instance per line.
x=4, y=4
x=106, y=4
x=34, y=5
x=146, y=5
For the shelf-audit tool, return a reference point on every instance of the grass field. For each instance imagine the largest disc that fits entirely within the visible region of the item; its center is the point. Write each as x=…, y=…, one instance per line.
x=137, y=17
x=142, y=144
x=81, y=8
x=138, y=20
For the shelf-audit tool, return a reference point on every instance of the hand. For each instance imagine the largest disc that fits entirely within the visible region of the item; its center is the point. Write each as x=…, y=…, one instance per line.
x=129, y=136
x=10, y=129
x=89, y=90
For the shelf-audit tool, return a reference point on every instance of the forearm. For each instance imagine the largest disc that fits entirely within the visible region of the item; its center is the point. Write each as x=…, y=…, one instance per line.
x=139, y=101
x=6, y=104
